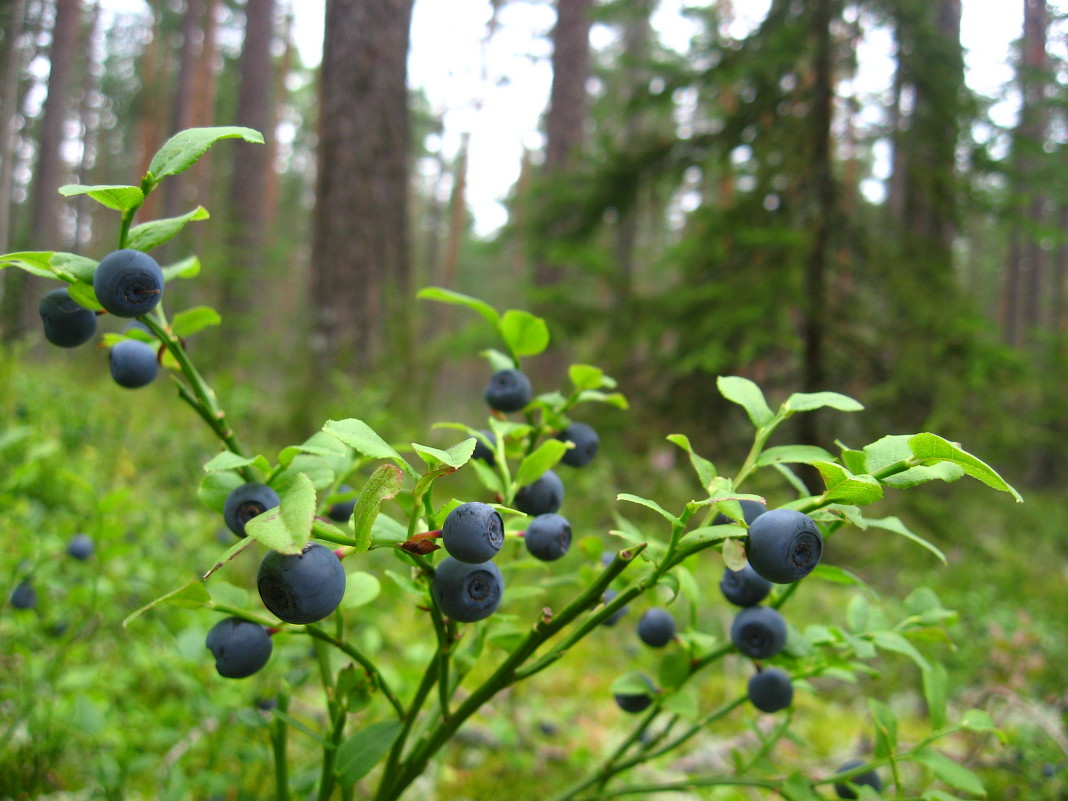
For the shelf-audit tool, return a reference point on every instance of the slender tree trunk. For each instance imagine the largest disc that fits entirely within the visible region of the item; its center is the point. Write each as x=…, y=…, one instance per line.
x=360, y=252
x=89, y=117
x=12, y=74
x=176, y=190
x=19, y=302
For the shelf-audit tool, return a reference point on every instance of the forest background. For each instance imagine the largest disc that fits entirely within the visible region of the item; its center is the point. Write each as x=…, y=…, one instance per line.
x=742, y=205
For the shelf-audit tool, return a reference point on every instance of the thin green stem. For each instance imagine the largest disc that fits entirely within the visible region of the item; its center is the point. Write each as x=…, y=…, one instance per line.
x=357, y=656
x=430, y=676
x=279, y=735
x=686, y=786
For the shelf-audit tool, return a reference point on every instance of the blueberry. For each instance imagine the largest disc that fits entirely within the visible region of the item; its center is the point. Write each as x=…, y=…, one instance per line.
x=542, y=497
x=128, y=283
x=585, y=442
x=240, y=647
x=784, y=545
x=636, y=702
x=304, y=587
x=759, y=632
x=80, y=546
x=484, y=449
x=548, y=537
x=611, y=621
x=66, y=324
x=868, y=778
x=744, y=587
x=473, y=532
x=467, y=592
x=771, y=690
x=341, y=511
x=133, y=363
x=751, y=510
x=246, y=502
x=508, y=391
x=24, y=596
x=656, y=627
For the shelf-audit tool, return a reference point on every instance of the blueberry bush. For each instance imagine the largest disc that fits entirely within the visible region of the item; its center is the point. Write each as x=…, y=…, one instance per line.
x=500, y=586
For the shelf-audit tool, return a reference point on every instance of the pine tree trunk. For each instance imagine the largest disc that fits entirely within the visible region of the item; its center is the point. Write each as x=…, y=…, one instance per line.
x=9, y=95
x=360, y=252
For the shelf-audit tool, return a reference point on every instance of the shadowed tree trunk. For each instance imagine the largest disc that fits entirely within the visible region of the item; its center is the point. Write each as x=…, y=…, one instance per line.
x=9, y=95
x=20, y=290
x=360, y=253
x=177, y=189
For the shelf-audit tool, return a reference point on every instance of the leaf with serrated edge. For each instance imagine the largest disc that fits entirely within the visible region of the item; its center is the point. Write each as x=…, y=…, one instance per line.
x=525, y=334
x=706, y=471
x=793, y=454
x=287, y=527
x=36, y=262
x=933, y=448
x=748, y=395
x=810, y=401
x=182, y=150
x=545, y=457
x=190, y=321
x=192, y=593
x=115, y=197
x=895, y=525
x=383, y=484
x=186, y=268
x=488, y=313
x=360, y=436
x=238, y=547
x=845, y=487
x=152, y=234
x=660, y=510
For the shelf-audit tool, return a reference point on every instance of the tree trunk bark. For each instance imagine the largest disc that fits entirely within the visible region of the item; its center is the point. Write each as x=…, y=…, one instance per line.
x=9, y=97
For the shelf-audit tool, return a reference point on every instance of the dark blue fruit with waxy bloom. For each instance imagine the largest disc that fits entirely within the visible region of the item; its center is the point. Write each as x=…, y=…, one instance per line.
x=744, y=587
x=80, y=546
x=304, y=587
x=473, y=532
x=869, y=778
x=636, y=702
x=24, y=596
x=508, y=391
x=467, y=592
x=656, y=627
x=240, y=647
x=784, y=545
x=483, y=451
x=548, y=537
x=771, y=690
x=584, y=440
x=759, y=632
x=751, y=510
x=128, y=283
x=614, y=618
x=66, y=324
x=133, y=363
x=543, y=497
x=246, y=502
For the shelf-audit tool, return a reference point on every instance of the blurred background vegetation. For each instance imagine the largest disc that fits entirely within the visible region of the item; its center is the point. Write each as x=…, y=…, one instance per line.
x=741, y=206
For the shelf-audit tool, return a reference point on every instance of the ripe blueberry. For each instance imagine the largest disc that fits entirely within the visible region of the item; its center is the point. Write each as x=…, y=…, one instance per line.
x=869, y=778
x=636, y=702
x=751, y=510
x=656, y=627
x=771, y=690
x=304, y=587
x=744, y=587
x=24, y=596
x=66, y=324
x=759, y=632
x=467, y=592
x=611, y=621
x=240, y=647
x=585, y=441
x=128, y=283
x=548, y=537
x=542, y=497
x=508, y=391
x=473, y=532
x=784, y=545
x=133, y=363
x=485, y=451
x=246, y=502
x=80, y=546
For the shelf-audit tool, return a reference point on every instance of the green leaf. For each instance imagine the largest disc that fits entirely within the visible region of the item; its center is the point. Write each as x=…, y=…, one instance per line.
x=895, y=525
x=626, y=496
x=182, y=150
x=525, y=334
x=114, y=196
x=979, y=720
x=287, y=527
x=797, y=787
x=844, y=487
x=932, y=448
x=914, y=476
x=631, y=683
x=793, y=454
x=545, y=457
x=360, y=436
x=616, y=399
x=706, y=471
x=886, y=451
x=747, y=395
x=84, y=295
x=682, y=703
x=892, y=641
x=191, y=594
x=152, y=234
x=952, y=773
x=228, y=460
x=458, y=299
x=935, y=691
x=190, y=321
x=455, y=457
x=215, y=487
x=383, y=484
x=885, y=728
x=857, y=614
x=734, y=554
x=38, y=262
x=498, y=360
x=586, y=376
x=674, y=669
x=810, y=401
x=361, y=588
x=186, y=268
x=73, y=267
